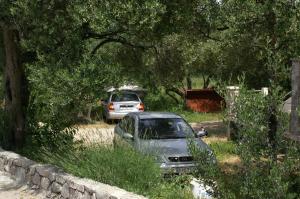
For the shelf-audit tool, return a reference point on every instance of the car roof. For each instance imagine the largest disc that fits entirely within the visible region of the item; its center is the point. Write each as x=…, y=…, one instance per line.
x=152, y=115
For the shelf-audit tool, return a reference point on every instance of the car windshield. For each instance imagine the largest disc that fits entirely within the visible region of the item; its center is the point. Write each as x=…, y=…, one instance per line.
x=164, y=128
x=122, y=97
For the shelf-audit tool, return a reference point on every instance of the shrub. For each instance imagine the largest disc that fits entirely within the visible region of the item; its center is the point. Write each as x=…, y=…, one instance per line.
x=54, y=133
x=159, y=101
x=270, y=163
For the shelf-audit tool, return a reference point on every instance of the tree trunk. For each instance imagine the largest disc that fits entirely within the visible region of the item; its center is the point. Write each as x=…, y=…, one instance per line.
x=172, y=96
x=16, y=95
x=189, y=82
x=89, y=112
x=206, y=81
x=178, y=91
x=273, y=124
x=294, y=124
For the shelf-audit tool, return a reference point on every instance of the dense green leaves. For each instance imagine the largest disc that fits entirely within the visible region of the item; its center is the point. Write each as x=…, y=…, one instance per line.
x=262, y=35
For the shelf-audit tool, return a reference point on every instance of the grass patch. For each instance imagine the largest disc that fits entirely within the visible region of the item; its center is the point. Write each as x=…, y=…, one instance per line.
x=118, y=166
x=160, y=101
x=224, y=150
x=126, y=168
x=194, y=117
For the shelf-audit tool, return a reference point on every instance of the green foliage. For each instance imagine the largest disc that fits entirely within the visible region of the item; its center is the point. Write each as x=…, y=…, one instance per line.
x=177, y=187
x=62, y=37
x=120, y=166
x=254, y=124
x=159, y=43
x=260, y=146
x=169, y=61
x=269, y=162
x=67, y=92
x=207, y=170
x=159, y=101
x=195, y=117
x=260, y=39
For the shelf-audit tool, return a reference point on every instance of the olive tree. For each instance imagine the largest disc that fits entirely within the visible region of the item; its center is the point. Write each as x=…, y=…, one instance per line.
x=57, y=34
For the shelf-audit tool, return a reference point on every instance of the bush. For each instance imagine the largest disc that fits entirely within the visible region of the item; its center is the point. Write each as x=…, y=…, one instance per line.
x=270, y=163
x=159, y=101
x=52, y=133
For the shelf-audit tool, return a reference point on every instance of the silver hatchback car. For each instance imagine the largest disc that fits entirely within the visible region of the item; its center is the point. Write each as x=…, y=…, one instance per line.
x=164, y=135
x=120, y=103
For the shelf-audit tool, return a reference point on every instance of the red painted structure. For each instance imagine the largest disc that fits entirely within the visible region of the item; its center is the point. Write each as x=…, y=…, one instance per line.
x=204, y=100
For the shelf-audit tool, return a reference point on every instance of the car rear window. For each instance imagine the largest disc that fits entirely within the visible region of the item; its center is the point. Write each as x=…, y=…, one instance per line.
x=122, y=97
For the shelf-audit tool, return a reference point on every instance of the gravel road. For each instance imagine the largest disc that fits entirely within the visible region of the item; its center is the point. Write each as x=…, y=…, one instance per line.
x=96, y=134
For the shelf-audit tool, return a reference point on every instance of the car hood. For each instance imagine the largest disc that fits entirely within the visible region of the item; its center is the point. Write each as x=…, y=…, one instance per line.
x=169, y=147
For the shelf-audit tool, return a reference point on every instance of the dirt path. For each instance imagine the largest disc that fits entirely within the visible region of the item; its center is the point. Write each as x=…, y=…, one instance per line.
x=10, y=189
x=102, y=133
x=99, y=133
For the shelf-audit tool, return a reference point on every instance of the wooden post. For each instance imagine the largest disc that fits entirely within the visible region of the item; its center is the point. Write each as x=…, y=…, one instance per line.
x=232, y=93
x=294, y=125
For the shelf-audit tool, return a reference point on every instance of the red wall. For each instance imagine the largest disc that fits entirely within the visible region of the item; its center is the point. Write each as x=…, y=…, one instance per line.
x=204, y=100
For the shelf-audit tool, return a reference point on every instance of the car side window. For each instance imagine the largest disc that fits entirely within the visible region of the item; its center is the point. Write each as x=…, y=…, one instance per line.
x=127, y=125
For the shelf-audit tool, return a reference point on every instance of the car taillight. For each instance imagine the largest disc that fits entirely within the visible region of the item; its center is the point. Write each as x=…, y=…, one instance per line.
x=111, y=107
x=141, y=107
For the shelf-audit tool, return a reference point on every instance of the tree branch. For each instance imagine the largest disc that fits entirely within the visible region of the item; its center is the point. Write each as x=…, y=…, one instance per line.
x=178, y=91
x=207, y=35
x=93, y=35
x=122, y=41
x=172, y=96
x=223, y=28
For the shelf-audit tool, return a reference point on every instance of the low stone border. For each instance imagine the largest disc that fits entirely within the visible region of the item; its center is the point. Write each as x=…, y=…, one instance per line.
x=55, y=182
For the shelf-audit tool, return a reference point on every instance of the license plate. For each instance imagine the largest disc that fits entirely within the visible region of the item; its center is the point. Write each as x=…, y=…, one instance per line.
x=125, y=107
x=184, y=170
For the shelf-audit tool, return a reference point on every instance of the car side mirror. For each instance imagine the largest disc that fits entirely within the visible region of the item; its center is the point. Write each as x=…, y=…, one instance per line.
x=202, y=133
x=128, y=136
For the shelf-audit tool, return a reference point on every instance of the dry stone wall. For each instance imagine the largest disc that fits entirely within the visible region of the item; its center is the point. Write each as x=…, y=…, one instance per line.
x=55, y=182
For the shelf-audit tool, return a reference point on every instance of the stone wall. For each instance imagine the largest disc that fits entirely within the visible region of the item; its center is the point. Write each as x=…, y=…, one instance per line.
x=55, y=182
